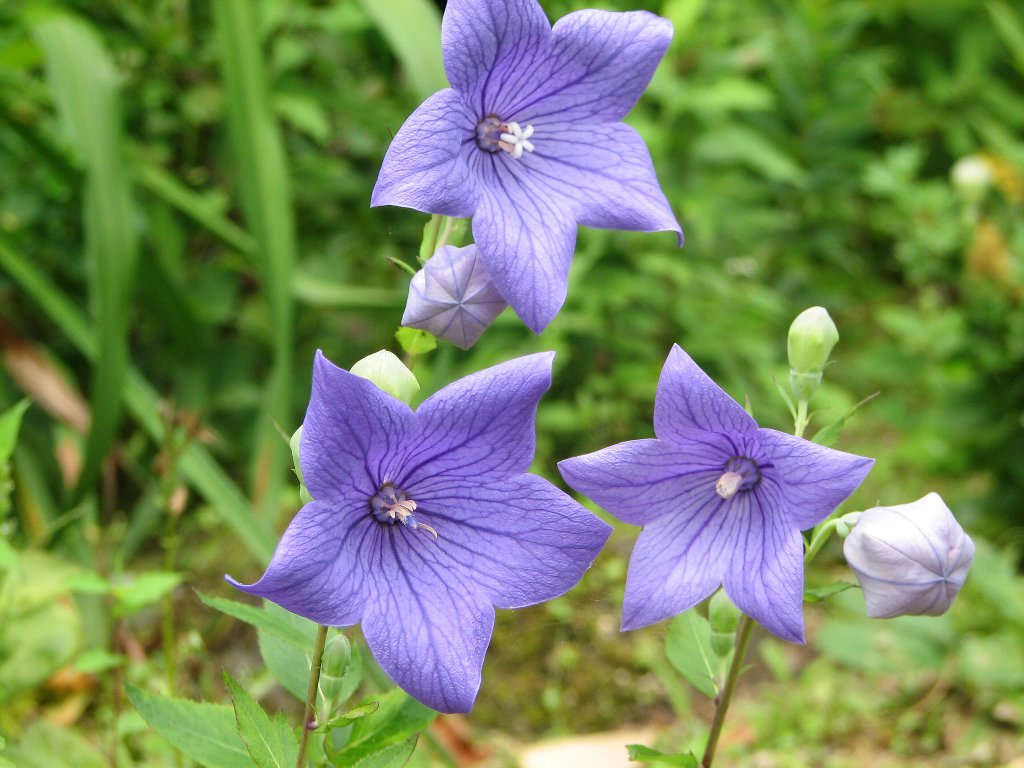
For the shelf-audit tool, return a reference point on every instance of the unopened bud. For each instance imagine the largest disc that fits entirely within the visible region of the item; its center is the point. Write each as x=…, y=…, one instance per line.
x=333, y=665
x=910, y=559
x=389, y=373
x=811, y=339
x=724, y=618
x=304, y=496
x=971, y=176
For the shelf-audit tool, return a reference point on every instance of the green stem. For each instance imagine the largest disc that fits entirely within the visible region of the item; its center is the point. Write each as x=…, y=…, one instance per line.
x=430, y=234
x=802, y=419
x=308, y=722
x=725, y=696
x=819, y=538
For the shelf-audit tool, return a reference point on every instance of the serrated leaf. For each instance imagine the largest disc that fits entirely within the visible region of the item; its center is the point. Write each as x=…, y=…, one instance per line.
x=10, y=424
x=288, y=665
x=207, y=733
x=393, y=756
x=828, y=435
x=268, y=745
x=817, y=594
x=397, y=718
x=271, y=618
x=688, y=647
x=640, y=754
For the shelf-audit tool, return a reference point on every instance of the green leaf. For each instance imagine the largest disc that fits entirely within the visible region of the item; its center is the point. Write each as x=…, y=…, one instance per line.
x=688, y=647
x=266, y=197
x=413, y=29
x=1010, y=27
x=144, y=589
x=268, y=746
x=393, y=756
x=288, y=664
x=98, y=660
x=827, y=436
x=416, y=342
x=45, y=745
x=352, y=715
x=293, y=629
x=207, y=733
x=10, y=422
x=640, y=754
x=85, y=85
x=397, y=718
x=817, y=594
x=8, y=556
x=198, y=467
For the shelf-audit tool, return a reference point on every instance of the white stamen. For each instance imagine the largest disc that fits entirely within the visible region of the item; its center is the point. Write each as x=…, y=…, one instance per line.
x=728, y=484
x=516, y=139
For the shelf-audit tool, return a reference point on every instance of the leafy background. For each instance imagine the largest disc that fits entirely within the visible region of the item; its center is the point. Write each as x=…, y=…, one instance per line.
x=184, y=219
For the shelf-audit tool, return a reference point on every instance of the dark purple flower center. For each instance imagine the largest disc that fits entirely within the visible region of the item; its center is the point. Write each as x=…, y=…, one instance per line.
x=493, y=133
x=739, y=474
x=390, y=504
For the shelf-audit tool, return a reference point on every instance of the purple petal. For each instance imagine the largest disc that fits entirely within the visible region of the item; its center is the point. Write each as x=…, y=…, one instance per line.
x=425, y=167
x=604, y=61
x=814, y=479
x=318, y=569
x=643, y=480
x=480, y=428
x=453, y=297
x=607, y=178
x=525, y=234
x=522, y=540
x=679, y=560
x=428, y=628
x=488, y=46
x=688, y=399
x=765, y=576
x=350, y=435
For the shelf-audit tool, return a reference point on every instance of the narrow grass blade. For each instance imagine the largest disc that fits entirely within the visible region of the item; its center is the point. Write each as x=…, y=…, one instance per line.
x=143, y=402
x=413, y=29
x=85, y=87
x=265, y=190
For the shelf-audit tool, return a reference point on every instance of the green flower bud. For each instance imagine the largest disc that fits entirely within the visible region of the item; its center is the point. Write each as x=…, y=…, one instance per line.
x=845, y=523
x=304, y=496
x=724, y=618
x=811, y=339
x=334, y=664
x=389, y=373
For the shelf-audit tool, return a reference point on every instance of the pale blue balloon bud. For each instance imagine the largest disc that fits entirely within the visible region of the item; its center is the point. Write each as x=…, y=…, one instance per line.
x=453, y=297
x=910, y=559
x=389, y=373
x=811, y=339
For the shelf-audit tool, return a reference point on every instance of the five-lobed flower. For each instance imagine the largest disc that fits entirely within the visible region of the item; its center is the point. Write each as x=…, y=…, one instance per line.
x=722, y=502
x=424, y=521
x=529, y=140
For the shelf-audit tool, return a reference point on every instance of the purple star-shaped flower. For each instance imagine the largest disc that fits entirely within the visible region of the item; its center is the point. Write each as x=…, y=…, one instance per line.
x=422, y=522
x=721, y=502
x=529, y=140
x=453, y=297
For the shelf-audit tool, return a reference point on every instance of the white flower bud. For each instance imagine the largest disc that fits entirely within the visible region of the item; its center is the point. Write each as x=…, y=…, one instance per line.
x=389, y=373
x=971, y=177
x=910, y=559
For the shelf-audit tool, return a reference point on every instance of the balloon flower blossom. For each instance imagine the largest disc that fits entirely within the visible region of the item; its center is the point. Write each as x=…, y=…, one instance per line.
x=910, y=559
x=424, y=521
x=529, y=140
x=721, y=502
x=453, y=297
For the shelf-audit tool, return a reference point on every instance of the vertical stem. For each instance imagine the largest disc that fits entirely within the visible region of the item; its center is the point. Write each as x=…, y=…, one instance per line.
x=725, y=696
x=801, y=418
x=312, y=689
x=430, y=235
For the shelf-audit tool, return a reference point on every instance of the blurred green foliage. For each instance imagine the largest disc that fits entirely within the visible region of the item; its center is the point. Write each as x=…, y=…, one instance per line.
x=806, y=147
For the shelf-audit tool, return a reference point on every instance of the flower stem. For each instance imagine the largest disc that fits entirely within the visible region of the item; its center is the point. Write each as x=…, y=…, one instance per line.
x=308, y=722
x=725, y=695
x=430, y=233
x=802, y=419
